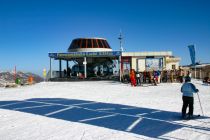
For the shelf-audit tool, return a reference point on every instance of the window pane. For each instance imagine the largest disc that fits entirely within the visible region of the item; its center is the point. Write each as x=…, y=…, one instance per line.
x=100, y=44
x=107, y=45
x=84, y=43
x=94, y=44
x=104, y=45
x=89, y=43
x=80, y=43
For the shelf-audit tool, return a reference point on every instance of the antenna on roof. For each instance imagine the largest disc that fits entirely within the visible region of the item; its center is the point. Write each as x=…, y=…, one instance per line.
x=120, y=38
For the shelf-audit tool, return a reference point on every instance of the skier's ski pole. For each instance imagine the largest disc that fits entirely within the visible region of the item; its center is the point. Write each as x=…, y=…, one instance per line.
x=200, y=104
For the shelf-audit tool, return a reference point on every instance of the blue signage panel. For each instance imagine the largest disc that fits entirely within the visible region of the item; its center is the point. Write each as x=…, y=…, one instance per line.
x=84, y=54
x=53, y=55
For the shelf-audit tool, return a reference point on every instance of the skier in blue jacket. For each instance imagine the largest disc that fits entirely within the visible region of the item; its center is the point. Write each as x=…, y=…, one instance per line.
x=188, y=89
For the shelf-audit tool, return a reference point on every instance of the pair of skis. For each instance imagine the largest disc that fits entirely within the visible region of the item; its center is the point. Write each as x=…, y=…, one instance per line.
x=191, y=118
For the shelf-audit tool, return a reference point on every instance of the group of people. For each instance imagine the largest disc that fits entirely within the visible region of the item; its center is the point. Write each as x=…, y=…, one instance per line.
x=137, y=78
x=154, y=77
x=172, y=76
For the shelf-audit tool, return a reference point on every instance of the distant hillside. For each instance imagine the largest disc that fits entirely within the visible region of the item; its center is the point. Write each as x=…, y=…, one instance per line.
x=8, y=77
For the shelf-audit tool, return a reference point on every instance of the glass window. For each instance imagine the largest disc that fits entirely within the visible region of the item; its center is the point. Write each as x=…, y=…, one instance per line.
x=94, y=43
x=75, y=44
x=100, y=44
x=89, y=43
x=173, y=67
x=107, y=45
x=83, y=43
x=103, y=43
x=80, y=43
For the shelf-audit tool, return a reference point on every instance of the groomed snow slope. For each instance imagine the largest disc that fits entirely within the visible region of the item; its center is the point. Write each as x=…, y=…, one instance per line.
x=100, y=110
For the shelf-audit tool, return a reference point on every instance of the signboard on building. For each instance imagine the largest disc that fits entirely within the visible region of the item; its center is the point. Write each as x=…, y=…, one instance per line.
x=84, y=54
x=154, y=64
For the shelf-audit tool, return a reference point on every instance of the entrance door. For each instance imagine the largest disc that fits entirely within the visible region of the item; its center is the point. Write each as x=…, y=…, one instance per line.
x=126, y=65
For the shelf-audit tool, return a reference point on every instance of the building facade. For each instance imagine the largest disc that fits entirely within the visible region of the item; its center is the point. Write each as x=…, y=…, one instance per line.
x=95, y=57
x=199, y=71
x=149, y=61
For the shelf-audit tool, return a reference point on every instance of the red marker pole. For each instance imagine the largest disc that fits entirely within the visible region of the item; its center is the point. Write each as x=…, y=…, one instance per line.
x=15, y=73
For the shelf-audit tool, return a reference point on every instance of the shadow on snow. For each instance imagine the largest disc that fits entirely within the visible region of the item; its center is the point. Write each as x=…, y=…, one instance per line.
x=142, y=121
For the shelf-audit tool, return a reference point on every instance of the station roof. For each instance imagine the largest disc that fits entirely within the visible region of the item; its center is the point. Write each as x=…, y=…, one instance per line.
x=89, y=44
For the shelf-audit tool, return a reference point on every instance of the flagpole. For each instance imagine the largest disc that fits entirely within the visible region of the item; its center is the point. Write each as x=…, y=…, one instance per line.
x=120, y=57
x=195, y=70
x=15, y=73
x=195, y=62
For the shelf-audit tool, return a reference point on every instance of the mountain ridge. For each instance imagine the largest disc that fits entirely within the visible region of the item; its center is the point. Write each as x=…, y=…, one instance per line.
x=9, y=77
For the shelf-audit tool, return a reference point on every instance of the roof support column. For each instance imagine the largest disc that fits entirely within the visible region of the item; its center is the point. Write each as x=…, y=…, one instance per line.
x=67, y=64
x=85, y=67
x=50, y=67
x=200, y=74
x=60, y=68
x=120, y=66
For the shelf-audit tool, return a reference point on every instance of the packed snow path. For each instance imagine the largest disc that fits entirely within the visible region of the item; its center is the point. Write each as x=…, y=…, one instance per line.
x=100, y=110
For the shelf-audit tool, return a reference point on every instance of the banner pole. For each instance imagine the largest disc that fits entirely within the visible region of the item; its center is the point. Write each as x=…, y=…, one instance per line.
x=195, y=62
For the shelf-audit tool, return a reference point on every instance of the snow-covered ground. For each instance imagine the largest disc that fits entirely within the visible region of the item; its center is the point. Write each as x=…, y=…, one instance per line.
x=100, y=110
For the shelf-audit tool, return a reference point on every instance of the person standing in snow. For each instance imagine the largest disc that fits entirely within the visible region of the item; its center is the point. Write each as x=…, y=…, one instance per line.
x=187, y=90
x=133, y=77
x=144, y=76
x=189, y=74
x=159, y=76
x=155, y=77
x=64, y=72
x=138, y=82
x=68, y=72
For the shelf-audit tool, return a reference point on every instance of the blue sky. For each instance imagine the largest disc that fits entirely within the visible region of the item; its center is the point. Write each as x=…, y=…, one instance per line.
x=29, y=29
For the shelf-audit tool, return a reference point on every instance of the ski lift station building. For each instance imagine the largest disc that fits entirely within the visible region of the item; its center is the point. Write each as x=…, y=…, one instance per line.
x=94, y=56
